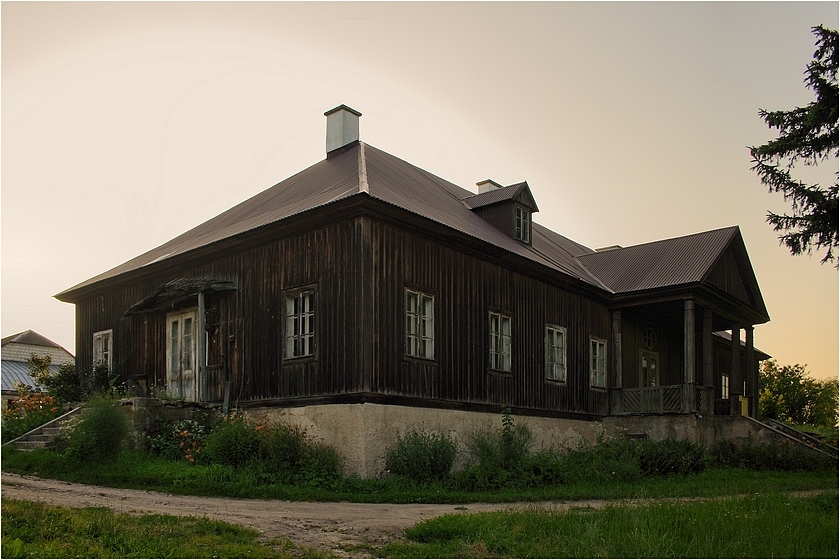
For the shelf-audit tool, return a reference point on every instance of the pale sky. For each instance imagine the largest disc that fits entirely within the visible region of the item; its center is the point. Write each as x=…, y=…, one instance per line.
x=124, y=125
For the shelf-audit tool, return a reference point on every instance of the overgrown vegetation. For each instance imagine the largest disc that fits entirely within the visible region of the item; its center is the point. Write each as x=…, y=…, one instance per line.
x=422, y=456
x=26, y=412
x=100, y=434
x=38, y=530
x=73, y=385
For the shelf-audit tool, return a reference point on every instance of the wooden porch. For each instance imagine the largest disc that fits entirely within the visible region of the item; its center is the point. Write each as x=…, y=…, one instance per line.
x=663, y=399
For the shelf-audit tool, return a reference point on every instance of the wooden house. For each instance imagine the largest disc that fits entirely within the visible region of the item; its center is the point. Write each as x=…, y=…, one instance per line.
x=365, y=279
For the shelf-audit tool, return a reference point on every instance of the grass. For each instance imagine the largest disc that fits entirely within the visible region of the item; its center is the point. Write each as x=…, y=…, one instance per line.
x=37, y=530
x=763, y=526
x=140, y=471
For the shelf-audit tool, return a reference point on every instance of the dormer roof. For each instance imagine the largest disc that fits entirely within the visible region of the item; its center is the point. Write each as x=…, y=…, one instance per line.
x=519, y=192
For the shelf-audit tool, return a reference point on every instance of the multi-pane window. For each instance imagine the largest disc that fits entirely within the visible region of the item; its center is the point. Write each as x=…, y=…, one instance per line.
x=522, y=224
x=499, y=342
x=555, y=353
x=300, y=324
x=419, y=324
x=103, y=347
x=724, y=385
x=597, y=363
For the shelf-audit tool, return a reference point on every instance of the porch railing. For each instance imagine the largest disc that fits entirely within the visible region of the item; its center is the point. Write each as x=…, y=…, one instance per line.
x=664, y=399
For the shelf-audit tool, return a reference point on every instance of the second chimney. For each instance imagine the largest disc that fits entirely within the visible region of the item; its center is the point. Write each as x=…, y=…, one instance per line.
x=342, y=127
x=487, y=185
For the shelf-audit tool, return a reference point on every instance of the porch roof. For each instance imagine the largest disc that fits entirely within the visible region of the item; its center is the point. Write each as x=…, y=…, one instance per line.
x=176, y=291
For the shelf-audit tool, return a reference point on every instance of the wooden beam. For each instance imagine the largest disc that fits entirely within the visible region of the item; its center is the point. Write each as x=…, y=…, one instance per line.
x=736, y=380
x=689, y=355
x=751, y=372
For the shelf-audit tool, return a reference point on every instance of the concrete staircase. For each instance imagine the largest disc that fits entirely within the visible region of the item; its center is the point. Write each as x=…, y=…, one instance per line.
x=800, y=437
x=46, y=435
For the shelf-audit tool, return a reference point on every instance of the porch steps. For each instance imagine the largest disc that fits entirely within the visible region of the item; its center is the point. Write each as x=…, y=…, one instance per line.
x=799, y=437
x=46, y=435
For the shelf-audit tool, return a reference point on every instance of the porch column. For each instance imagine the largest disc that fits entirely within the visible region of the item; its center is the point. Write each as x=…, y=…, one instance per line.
x=689, y=353
x=617, y=400
x=750, y=372
x=736, y=380
x=708, y=359
x=201, y=362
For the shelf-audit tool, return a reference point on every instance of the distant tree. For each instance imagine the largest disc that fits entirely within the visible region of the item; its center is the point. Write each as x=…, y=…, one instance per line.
x=788, y=394
x=807, y=135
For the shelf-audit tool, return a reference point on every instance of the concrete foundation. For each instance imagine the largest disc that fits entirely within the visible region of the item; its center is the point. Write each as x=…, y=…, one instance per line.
x=363, y=433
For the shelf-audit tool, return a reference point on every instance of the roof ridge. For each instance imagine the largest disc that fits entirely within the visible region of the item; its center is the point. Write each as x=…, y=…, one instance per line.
x=667, y=239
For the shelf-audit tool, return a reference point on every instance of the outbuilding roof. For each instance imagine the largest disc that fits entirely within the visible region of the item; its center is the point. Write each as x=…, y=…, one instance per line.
x=30, y=337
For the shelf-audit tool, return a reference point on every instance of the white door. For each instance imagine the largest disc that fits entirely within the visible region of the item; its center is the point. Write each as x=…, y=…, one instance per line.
x=181, y=355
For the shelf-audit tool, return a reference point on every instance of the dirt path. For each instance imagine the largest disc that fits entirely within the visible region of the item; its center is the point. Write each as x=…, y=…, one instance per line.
x=331, y=527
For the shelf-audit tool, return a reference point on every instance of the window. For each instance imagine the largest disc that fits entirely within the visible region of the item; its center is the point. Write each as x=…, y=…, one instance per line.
x=419, y=325
x=724, y=385
x=300, y=325
x=555, y=353
x=103, y=347
x=648, y=368
x=499, y=342
x=597, y=363
x=522, y=224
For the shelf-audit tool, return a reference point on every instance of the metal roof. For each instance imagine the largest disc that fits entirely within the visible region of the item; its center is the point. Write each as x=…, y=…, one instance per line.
x=30, y=337
x=177, y=290
x=510, y=192
x=670, y=262
x=358, y=171
x=362, y=170
x=18, y=372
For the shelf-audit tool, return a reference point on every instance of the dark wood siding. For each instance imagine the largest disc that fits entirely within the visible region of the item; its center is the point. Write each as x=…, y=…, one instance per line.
x=466, y=289
x=247, y=336
x=359, y=269
x=500, y=215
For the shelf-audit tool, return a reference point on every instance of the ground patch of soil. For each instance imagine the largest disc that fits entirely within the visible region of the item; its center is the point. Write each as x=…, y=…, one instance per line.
x=334, y=528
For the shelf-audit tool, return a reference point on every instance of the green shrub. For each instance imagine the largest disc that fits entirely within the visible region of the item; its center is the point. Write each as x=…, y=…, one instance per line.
x=233, y=442
x=422, y=456
x=182, y=440
x=670, y=456
x=503, y=449
x=610, y=460
x=102, y=432
x=781, y=456
x=289, y=455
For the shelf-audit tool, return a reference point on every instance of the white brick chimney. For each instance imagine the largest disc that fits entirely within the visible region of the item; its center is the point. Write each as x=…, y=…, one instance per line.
x=342, y=127
x=487, y=185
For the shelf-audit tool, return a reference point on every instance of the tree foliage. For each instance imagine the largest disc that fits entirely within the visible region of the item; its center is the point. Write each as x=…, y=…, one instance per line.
x=70, y=384
x=807, y=135
x=788, y=394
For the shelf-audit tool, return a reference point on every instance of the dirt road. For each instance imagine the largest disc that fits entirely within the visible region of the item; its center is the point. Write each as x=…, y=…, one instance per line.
x=331, y=527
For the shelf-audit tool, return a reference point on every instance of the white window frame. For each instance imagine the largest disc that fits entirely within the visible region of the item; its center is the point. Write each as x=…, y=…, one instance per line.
x=500, y=346
x=555, y=353
x=598, y=363
x=299, y=324
x=419, y=324
x=521, y=224
x=724, y=385
x=106, y=354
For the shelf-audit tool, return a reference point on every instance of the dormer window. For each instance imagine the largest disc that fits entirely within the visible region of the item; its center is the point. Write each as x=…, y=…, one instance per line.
x=522, y=224
x=507, y=208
